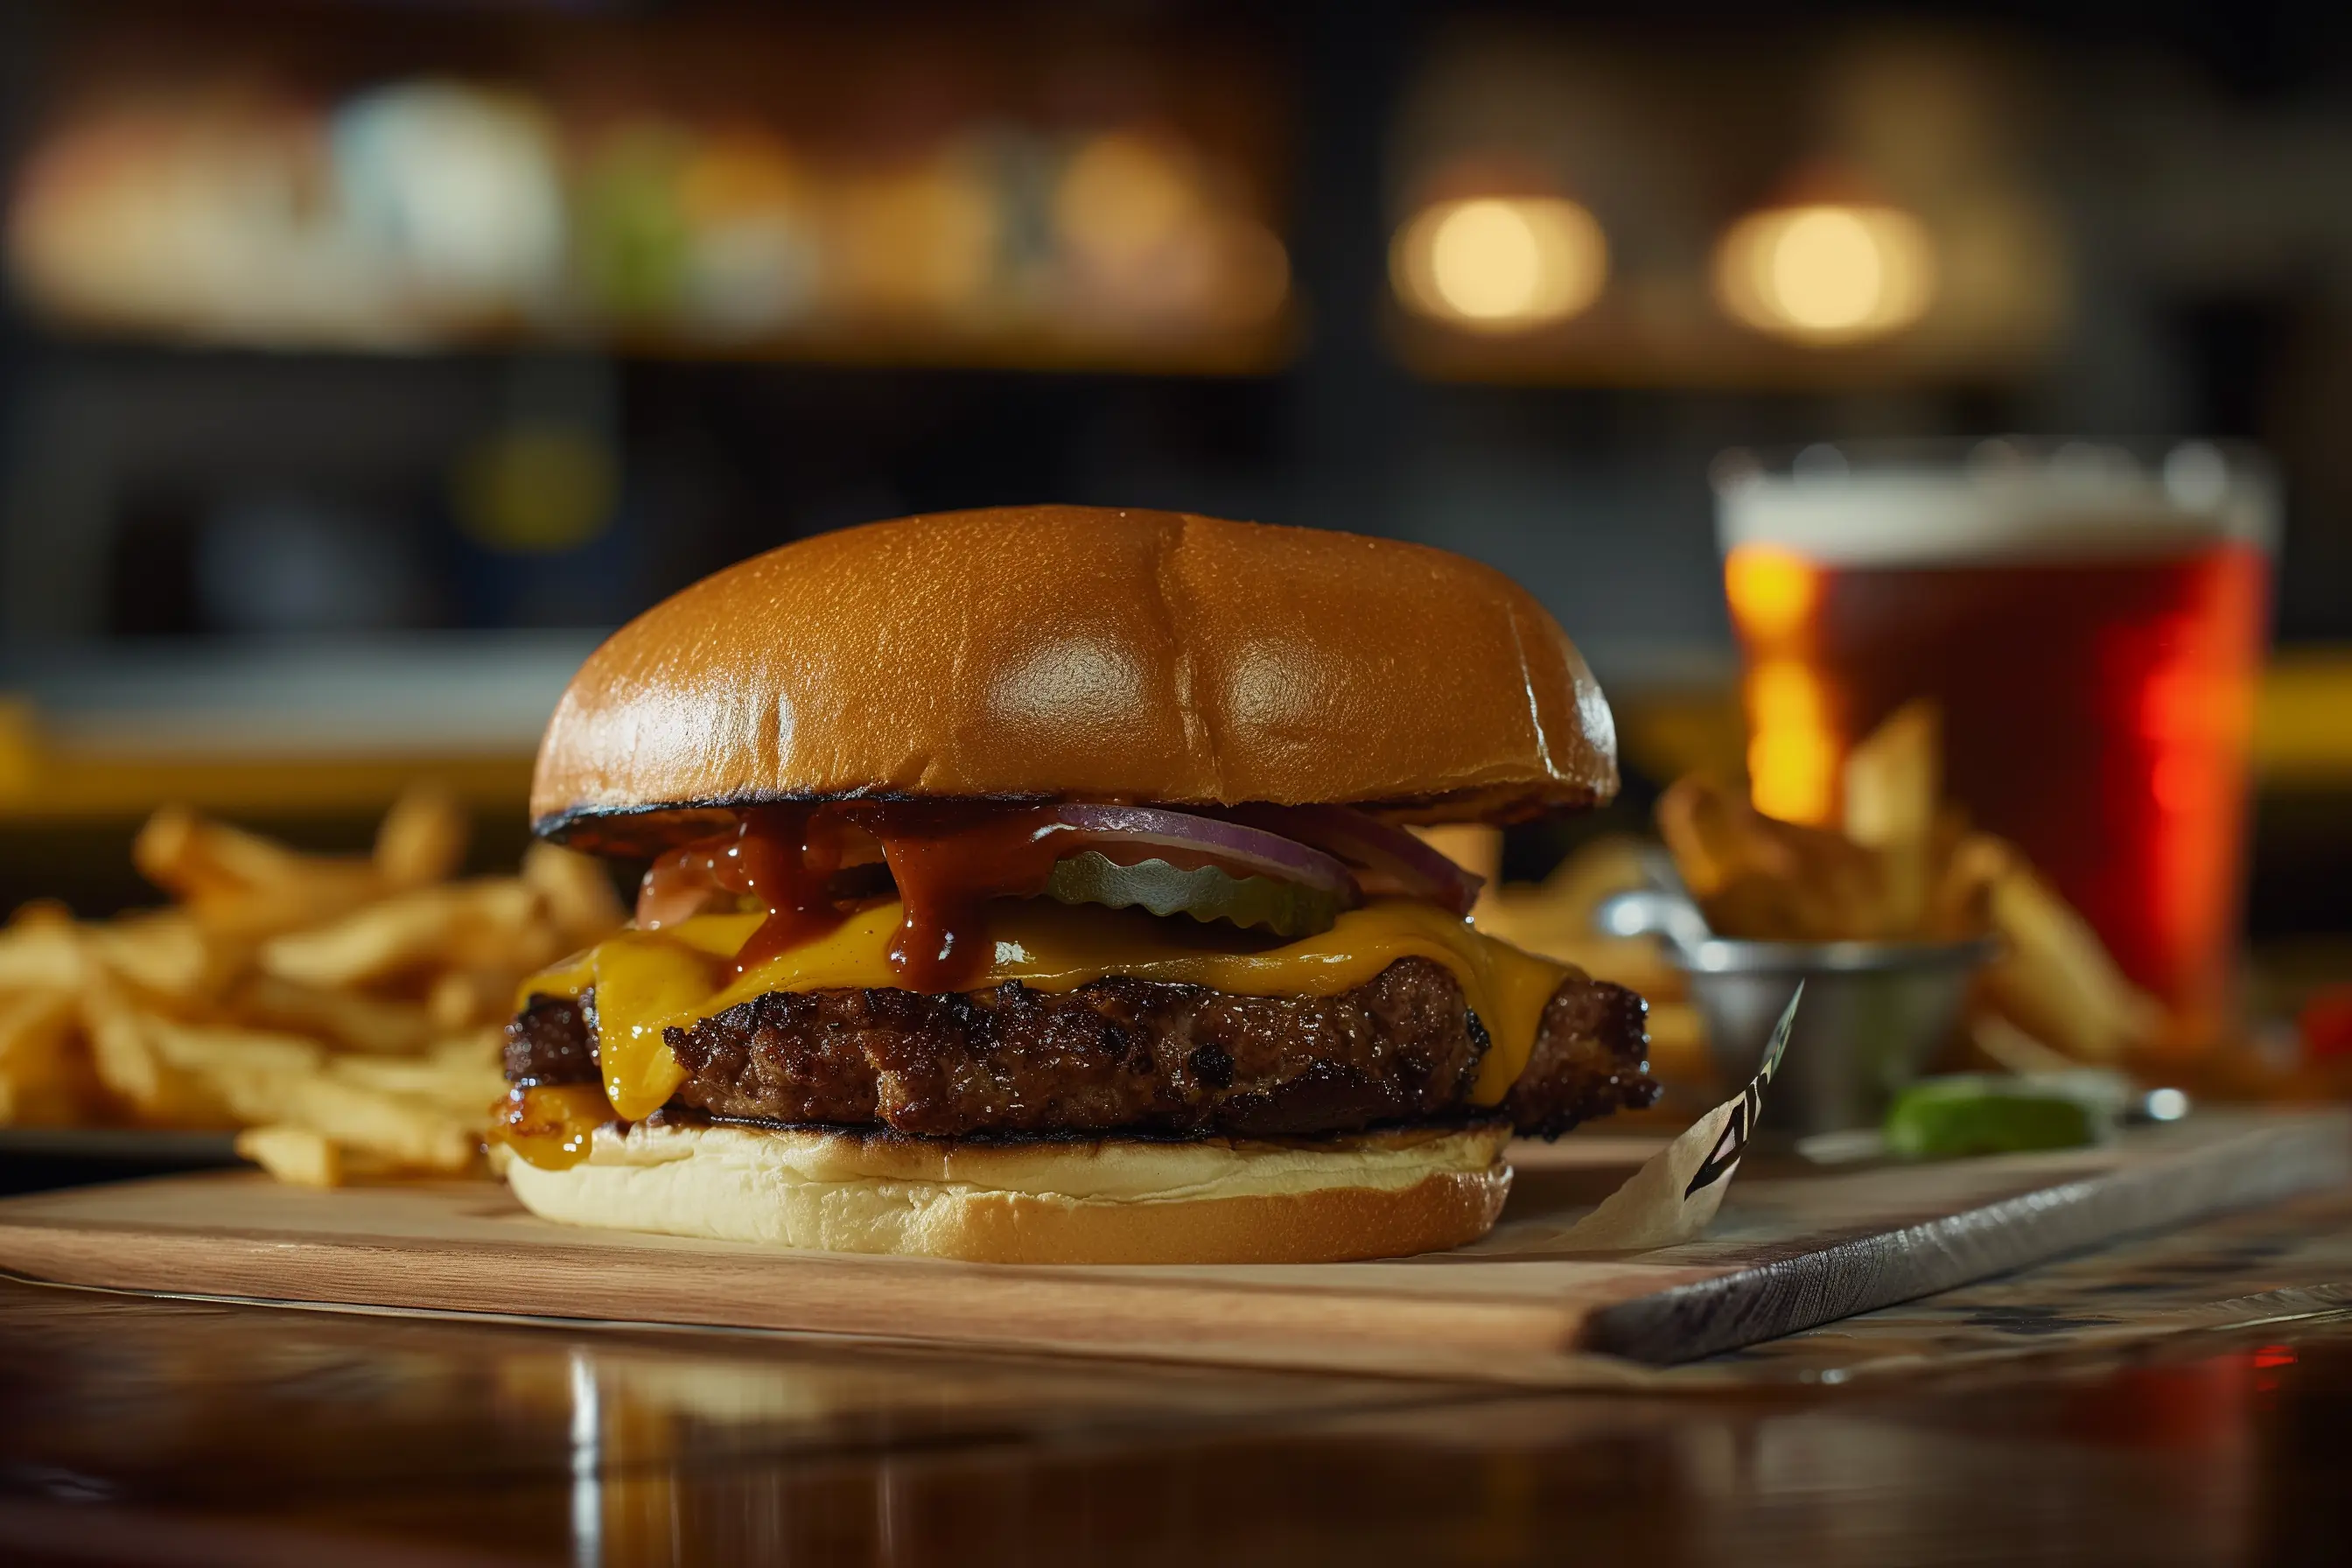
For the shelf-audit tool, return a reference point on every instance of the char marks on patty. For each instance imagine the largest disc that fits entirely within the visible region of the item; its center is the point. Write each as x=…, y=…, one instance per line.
x=552, y=1040
x=1117, y=1054
x=1124, y=1054
x=1590, y=1059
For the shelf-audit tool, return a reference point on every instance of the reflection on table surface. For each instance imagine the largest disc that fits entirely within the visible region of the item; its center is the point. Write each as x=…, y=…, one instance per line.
x=170, y=1431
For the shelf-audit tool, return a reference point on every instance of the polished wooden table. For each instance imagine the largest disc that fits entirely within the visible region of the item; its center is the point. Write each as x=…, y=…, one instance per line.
x=137, y=1430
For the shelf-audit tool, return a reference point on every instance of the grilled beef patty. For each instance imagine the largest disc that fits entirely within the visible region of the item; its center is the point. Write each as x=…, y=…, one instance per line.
x=1123, y=1054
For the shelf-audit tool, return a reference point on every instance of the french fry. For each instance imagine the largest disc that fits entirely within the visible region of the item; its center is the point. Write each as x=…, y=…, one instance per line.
x=1960, y=902
x=162, y=954
x=463, y=1086
x=303, y=1156
x=405, y=1131
x=265, y=1078
x=483, y=1048
x=501, y=922
x=423, y=838
x=296, y=1156
x=1756, y=876
x=2055, y=981
x=577, y=894
x=43, y=1081
x=42, y=950
x=239, y=884
x=1894, y=779
x=462, y=998
x=128, y=1058
x=400, y=934
x=192, y=856
x=355, y=1020
x=2011, y=1049
x=166, y=954
x=252, y=1073
x=494, y=923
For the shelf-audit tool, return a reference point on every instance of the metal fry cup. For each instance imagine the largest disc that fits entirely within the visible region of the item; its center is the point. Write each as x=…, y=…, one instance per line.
x=1875, y=1012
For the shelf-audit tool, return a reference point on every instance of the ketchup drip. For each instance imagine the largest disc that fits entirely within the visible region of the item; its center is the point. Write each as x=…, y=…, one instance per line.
x=785, y=857
x=947, y=861
x=787, y=860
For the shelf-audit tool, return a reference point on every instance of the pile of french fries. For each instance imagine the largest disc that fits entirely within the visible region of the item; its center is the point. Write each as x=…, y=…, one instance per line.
x=344, y=1013
x=1906, y=867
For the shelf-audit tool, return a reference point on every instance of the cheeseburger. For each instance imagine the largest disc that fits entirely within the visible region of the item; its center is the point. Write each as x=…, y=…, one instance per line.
x=1035, y=885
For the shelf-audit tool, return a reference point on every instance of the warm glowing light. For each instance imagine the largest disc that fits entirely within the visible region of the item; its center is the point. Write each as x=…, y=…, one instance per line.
x=1772, y=591
x=919, y=241
x=1145, y=240
x=1792, y=758
x=1500, y=264
x=1125, y=197
x=1826, y=274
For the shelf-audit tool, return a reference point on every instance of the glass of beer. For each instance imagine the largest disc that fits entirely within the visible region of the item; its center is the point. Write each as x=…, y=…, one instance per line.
x=2091, y=619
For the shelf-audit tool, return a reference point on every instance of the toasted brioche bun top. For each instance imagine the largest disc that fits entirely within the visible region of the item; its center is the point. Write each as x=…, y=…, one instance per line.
x=1082, y=653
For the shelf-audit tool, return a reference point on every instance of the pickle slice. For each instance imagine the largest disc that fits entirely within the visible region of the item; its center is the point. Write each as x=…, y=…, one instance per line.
x=1985, y=1113
x=1207, y=893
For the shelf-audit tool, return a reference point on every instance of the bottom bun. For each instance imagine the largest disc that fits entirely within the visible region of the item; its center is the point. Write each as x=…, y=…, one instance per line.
x=1113, y=1200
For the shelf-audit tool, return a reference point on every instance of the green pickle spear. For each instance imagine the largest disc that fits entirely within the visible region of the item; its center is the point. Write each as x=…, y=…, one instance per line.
x=1206, y=893
x=1941, y=1118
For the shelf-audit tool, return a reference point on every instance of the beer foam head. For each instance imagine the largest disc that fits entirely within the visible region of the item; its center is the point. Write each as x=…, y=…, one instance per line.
x=2081, y=503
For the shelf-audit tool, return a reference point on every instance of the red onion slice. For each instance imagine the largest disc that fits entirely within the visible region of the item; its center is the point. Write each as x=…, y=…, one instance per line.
x=1365, y=841
x=1252, y=850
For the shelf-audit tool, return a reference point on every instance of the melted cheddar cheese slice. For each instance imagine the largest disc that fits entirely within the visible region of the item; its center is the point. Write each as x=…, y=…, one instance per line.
x=646, y=982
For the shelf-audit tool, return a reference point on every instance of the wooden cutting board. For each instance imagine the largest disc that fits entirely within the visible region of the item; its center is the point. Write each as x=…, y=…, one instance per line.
x=1792, y=1248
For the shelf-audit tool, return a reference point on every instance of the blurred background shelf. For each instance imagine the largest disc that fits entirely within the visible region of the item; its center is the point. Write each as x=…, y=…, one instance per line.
x=273, y=730
x=382, y=697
